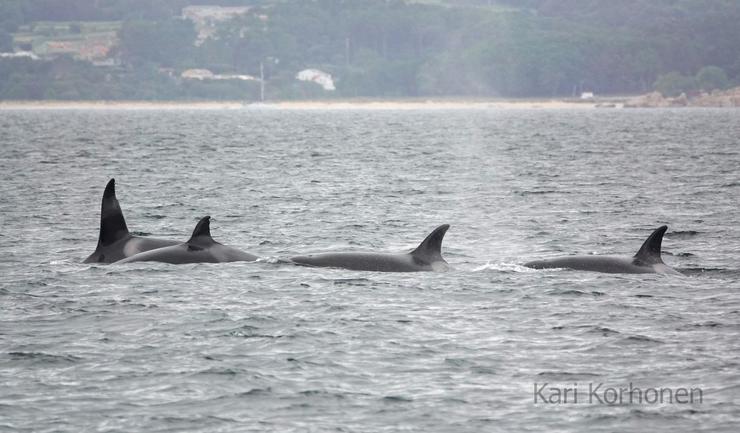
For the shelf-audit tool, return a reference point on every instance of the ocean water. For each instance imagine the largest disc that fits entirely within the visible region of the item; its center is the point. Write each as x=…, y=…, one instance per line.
x=272, y=347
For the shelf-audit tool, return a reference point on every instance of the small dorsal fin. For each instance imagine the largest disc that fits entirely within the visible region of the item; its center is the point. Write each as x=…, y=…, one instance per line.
x=431, y=247
x=202, y=233
x=112, y=223
x=650, y=251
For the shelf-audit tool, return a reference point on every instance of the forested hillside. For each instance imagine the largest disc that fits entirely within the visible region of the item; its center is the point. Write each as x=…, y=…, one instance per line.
x=137, y=49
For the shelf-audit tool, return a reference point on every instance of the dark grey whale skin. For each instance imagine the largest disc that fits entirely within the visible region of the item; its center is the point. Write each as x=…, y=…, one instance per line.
x=426, y=257
x=647, y=260
x=114, y=240
x=200, y=248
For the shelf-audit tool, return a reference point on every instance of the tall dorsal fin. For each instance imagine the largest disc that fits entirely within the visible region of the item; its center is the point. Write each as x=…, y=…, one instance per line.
x=650, y=250
x=112, y=224
x=431, y=247
x=202, y=234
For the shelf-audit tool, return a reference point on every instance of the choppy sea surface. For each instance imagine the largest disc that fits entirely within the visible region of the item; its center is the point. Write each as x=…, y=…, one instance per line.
x=272, y=347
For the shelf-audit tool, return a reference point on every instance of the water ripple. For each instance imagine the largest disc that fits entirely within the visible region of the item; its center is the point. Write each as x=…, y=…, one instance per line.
x=268, y=346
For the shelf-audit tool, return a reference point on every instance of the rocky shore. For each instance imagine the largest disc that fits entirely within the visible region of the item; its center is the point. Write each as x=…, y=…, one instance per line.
x=718, y=98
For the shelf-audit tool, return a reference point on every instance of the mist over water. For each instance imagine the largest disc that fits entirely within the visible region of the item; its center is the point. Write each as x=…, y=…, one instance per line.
x=272, y=347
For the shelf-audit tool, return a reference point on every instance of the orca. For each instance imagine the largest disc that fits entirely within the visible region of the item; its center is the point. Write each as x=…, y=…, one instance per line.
x=114, y=241
x=426, y=257
x=646, y=261
x=200, y=248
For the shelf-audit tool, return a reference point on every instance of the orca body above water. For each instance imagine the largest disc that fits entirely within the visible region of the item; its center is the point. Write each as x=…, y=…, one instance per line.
x=114, y=240
x=646, y=261
x=426, y=257
x=117, y=245
x=200, y=248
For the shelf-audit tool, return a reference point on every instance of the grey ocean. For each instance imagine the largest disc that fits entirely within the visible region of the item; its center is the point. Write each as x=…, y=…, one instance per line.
x=272, y=347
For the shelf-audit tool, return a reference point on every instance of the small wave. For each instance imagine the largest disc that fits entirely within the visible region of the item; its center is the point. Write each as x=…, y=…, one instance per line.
x=564, y=375
x=654, y=414
x=708, y=324
x=568, y=292
x=541, y=192
x=272, y=260
x=397, y=399
x=589, y=329
x=42, y=357
x=146, y=268
x=254, y=392
x=457, y=362
x=353, y=226
x=219, y=372
x=69, y=266
x=682, y=234
x=503, y=267
x=573, y=292
x=351, y=281
x=320, y=392
x=721, y=272
x=603, y=331
x=641, y=339
x=247, y=331
x=199, y=419
x=668, y=253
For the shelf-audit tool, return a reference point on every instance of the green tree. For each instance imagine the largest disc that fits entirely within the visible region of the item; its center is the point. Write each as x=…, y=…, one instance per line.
x=712, y=77
x=6, y=41
x=11, y=15
x=166, y=43
x=673, y=84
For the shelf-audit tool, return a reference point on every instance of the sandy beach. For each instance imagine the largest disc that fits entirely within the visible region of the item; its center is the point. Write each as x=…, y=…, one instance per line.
x=299, y=105
x=119, y=105
x=432, y=104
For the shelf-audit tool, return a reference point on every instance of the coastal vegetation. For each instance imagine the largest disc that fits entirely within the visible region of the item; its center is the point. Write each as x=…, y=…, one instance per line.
x=136, y=49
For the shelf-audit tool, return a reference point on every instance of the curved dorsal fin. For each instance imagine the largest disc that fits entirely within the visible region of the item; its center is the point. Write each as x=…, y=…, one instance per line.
x=431, y=247
x=112, y=224
x=650, y=250
x=202, y=233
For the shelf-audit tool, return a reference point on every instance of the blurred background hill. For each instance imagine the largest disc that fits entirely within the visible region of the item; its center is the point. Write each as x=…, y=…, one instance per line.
x=306, y=49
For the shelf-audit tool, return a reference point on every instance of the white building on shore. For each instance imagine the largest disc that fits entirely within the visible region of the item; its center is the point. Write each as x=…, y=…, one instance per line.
x=319, y=77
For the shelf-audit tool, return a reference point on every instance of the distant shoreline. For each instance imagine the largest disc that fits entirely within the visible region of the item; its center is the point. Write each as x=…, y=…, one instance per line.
x=369, y=104
x=729, y=98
